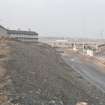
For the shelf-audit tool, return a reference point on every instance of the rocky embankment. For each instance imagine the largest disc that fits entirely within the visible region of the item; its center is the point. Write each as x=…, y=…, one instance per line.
x=34, y=74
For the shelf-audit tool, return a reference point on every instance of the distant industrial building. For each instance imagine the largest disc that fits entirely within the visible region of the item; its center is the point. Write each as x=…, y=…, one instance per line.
x=20, y=35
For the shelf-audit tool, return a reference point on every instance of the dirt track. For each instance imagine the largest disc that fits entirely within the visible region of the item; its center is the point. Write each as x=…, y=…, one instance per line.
x=38, y=76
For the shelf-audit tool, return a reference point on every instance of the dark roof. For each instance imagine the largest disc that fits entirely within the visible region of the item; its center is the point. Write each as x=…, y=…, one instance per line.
x=101, y=45
x=22, y=32
x=19, y=31
x=3, y=27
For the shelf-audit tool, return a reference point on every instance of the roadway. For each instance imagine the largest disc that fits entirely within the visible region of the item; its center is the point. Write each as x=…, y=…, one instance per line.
x=88, y=69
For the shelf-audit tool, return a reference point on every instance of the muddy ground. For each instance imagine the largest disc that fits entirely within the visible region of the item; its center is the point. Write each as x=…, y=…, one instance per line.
x=34, y=74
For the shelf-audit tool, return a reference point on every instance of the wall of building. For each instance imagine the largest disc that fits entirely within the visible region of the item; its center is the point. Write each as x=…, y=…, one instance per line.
x=23, y=37
x=89, y=52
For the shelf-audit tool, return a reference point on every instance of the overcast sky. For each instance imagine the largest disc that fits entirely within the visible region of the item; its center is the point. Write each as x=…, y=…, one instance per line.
x=73, y=18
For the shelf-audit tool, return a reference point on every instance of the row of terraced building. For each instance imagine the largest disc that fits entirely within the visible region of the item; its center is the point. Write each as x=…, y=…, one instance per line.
x=20, y=35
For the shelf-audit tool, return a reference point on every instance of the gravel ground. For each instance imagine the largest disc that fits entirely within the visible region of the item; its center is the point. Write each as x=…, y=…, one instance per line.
x=36, y=75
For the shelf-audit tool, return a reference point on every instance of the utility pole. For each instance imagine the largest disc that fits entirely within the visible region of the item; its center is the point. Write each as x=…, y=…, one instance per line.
x=83, y=48
x=102, y=34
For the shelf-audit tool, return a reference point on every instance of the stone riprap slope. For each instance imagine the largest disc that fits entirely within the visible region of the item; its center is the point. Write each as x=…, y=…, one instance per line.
x=38, y=76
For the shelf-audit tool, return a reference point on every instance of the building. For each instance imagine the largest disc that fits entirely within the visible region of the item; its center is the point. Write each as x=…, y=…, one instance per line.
x=3, y=31
x=101, y=47
x=20, y=35
x=23, y=35
x=90, y=52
